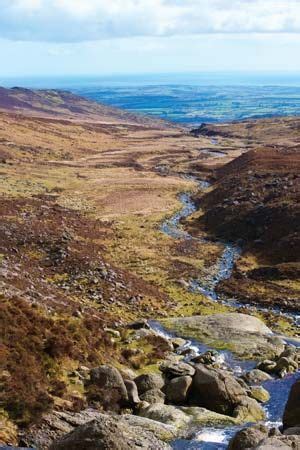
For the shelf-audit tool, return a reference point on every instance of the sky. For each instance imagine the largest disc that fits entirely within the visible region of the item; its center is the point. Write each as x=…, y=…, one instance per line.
x=103, y=37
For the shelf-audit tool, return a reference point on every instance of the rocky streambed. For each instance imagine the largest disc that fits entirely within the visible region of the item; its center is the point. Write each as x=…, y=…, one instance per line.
x=208, y=333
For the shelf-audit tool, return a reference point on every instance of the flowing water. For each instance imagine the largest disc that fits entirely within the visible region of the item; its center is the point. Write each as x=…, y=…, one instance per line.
x=213, y=438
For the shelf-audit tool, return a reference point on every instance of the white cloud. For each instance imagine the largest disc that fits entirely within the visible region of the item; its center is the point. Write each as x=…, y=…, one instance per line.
x=84, y=20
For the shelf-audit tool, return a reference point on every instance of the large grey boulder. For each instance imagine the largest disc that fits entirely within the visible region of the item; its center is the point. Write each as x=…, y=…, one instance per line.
x=245, y=335
x=177, y=390
x=109, y=433
x=216, y=390
x=149, y=381
x=291, y=416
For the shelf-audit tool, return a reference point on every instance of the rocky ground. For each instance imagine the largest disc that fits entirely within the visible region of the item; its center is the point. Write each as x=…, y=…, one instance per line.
x=83, y=262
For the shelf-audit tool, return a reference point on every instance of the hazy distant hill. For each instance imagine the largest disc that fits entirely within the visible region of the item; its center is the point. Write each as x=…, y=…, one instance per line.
x=68, y=106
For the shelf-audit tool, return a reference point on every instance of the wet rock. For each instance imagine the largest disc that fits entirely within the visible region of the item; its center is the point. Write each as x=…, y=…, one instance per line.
x=177, y=390
x=248, y=438
x=177, y=369
x=167, y=414
x=260, y=394
x=267, y=366
x=291, y=416
x=132, y=392
x=207, y=358
x=149, y=381
x=108, y=433
x=256, y=377
x=245, y=335
x=249, y=411
x=153, y=396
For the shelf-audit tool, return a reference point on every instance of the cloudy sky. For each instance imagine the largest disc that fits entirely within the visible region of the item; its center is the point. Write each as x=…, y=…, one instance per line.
x=61, y=37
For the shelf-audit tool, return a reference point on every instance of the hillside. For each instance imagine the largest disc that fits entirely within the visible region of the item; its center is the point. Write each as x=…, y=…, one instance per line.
x=256, y=201
x=84, y=260
x=65, y=105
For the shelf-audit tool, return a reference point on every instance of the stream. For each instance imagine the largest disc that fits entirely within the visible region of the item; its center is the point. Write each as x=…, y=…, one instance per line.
x=213, y=438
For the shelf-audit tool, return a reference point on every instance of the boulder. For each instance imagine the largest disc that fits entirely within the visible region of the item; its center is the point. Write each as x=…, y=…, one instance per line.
x=177, y=369
x=249, y=411
x=216, y=390
x=153, y=396
x=107, y=386
x=248, y=438
x=245, y=335
x=260, y=394
x=168, y=414
x=109, y=433
x=149, y=381
x=291, y=416
x=177, y=390
x=132, y=392
x=205, y=418
x=280, y=443
x=256, y=377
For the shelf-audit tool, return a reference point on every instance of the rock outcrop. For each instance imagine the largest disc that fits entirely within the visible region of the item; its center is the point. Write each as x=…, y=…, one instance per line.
x=245, y=335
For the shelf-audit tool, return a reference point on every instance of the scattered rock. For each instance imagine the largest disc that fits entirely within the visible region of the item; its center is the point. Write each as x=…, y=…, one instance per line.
x=167, y=414
x=215, y=390
x=153, y=396
x=177, y=390
x=255, y=377
x=177, y=369
x=248, y=438
x=149, y=381
x=260, y=394
x=107, y=386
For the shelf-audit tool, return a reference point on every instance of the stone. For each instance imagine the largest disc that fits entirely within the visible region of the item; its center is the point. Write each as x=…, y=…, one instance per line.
x=280, y=443
x=178, y=342
x=168, y=414
x=291, y=416
x=266, y=366
x=153, y=396
x=205, y=418
x=149, y=381
x=108, y=386
x=249, y=411
x=260, y=394
x=216, y=390
x=248, y=438
x=177, y=390
x=245, y=335
x=256, y=377
x=132, y=392
x=177, y=369
x=108, y=433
